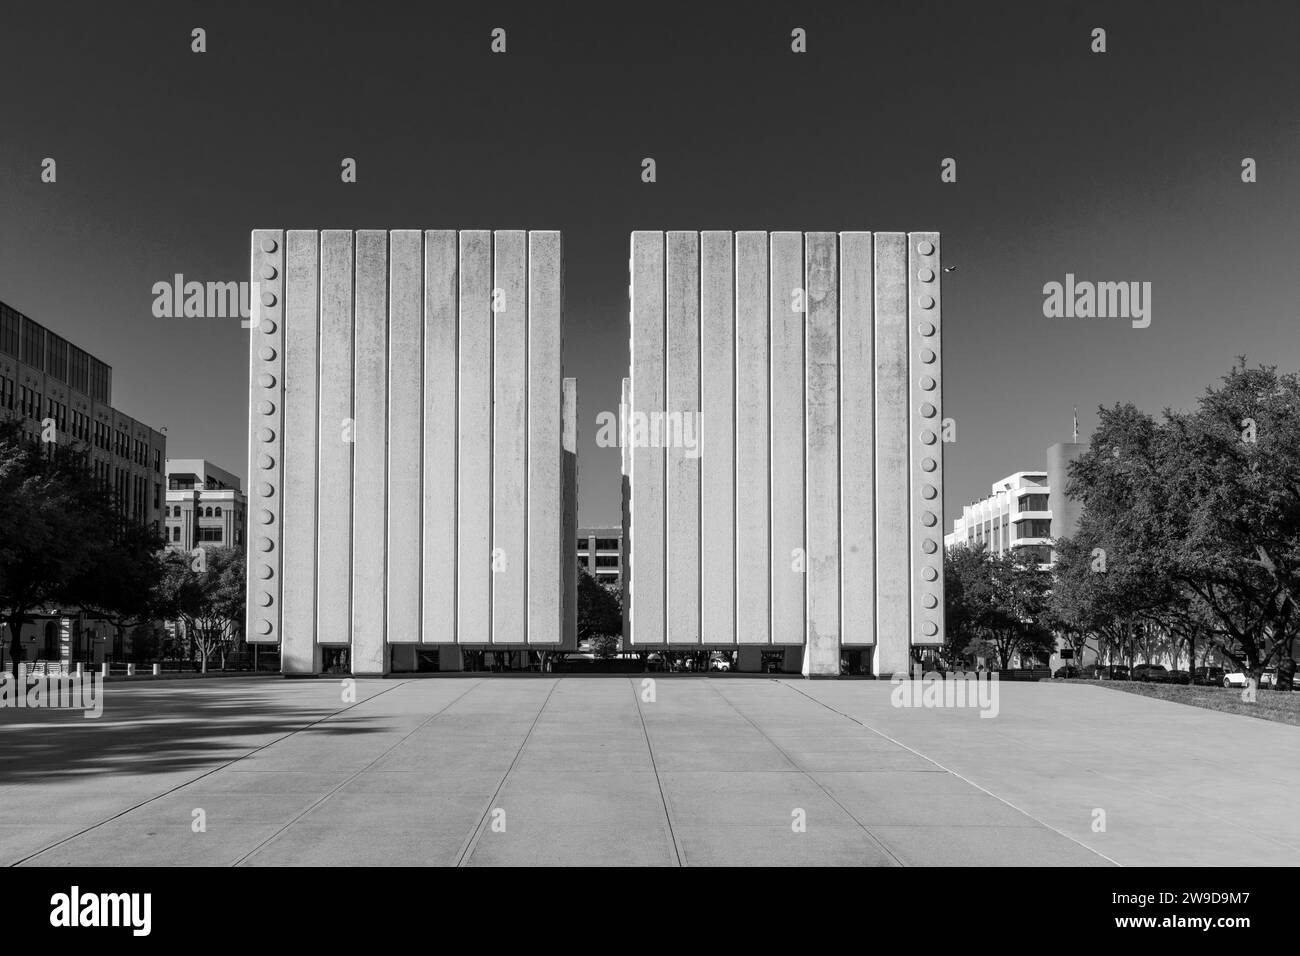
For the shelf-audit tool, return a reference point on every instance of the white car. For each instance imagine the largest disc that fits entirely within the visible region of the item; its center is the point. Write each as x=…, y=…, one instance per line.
x=1239, y=679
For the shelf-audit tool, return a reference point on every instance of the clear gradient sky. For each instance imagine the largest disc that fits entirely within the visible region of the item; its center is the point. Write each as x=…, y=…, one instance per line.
x=1122, y=166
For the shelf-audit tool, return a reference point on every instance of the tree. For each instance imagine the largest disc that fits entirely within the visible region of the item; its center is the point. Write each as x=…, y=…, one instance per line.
x=1209, y=501
x=966, y=584
x=599, y=612
x=58, y=525
x=122, y=587
x=206, y=596
x=998, y=605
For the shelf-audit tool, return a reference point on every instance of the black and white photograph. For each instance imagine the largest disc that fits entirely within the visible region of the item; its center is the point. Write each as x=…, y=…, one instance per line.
x=650, y=435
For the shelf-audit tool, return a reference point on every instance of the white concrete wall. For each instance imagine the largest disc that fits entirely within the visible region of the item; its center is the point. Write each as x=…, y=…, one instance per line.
x=422, y=429
x=681, y=466
x=370, y=454
x=857, y=442
x=648, y=344
x=299, y=651
x=893, y=571
x=438, y=534
x=753, y=443
x=926, y=438
x=405, y=400
x=717, y=439
x=265, y=439
x=820, y=481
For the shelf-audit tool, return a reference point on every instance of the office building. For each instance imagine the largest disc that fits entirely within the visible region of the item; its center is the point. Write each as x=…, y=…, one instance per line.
x=1026, y=509
x=205, y=506
x=55, y=388
x=600, y=554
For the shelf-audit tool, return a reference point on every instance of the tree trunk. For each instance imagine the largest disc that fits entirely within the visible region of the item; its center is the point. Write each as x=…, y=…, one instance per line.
x=16, y=640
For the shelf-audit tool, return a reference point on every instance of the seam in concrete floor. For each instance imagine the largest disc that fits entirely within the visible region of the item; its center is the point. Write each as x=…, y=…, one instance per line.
x=424, y=723
x=899, y=743
x=471, y=842
x=668, y=817
x=781, y=750
x=206, y=773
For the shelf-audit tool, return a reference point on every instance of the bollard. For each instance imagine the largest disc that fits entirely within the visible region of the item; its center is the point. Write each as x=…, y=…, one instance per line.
x=157, y=670
x=103, y=670
x=130, y=670
x=79, y=674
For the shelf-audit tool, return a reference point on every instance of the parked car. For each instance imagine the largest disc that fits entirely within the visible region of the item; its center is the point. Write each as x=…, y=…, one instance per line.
x=1151, y=673
x=1208, y=676
x=1113, y=672
x=1069, y=670
x=1235, y=679
x=719, y=664
x=1180, y=677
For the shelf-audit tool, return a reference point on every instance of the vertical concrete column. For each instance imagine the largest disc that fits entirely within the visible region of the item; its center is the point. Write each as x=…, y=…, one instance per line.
x=857, y=441
x=893, y=571
x=569, y=531
x=334, y=448
x=438, y=534
x=370, y=454
x=821, y=655
x=717, y=439
x=450, y=658
x=299, y=652
x=548, y=547
x=926, y=410
x=753, y=443
x=474, y=463
x=509, y=437
x=682, y=498
x=648, y=382
x=625, y=468
x=787, y=302
x=266, y=421
x=749, y=660
x=405, y=487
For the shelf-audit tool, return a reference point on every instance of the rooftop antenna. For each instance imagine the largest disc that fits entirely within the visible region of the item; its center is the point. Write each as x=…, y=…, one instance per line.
x=1076, y=424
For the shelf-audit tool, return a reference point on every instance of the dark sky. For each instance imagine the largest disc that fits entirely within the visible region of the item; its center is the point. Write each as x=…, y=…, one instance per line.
x=1122, y=166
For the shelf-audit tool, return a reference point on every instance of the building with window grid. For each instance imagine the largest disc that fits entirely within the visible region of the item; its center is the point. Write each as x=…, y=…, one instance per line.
x=205, y=506
x=45, y=379
x=600, y=554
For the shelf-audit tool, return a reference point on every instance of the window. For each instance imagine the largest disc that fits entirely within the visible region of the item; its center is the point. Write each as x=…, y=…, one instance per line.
x=606, y=560
x=210, y=534
x=33, y=344
x=157, y=495
x=582, y=544
x=218, y=511
x=8, y=331
x=176, y=533
x=607, y=544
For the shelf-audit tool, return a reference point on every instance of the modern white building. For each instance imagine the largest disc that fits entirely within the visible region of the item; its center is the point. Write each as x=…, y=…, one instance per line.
x=412, y=466
x=1026, y=509
x=1016, y=514
x=781, y=446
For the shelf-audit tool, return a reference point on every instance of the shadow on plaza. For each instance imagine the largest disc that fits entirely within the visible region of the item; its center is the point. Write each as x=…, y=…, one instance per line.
x=157, y=730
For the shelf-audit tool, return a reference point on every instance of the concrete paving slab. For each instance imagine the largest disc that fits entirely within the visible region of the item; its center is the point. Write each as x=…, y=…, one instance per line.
x=589, y=773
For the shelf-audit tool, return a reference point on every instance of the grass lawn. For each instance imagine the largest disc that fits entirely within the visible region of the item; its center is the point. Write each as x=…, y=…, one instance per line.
x=1280, y=705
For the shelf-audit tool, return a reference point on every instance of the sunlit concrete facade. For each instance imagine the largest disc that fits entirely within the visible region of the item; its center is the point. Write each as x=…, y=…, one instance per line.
x=804, y=509
x=412, y=446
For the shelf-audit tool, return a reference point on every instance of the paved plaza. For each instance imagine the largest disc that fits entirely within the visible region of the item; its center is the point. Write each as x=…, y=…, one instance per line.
x=552, y=770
